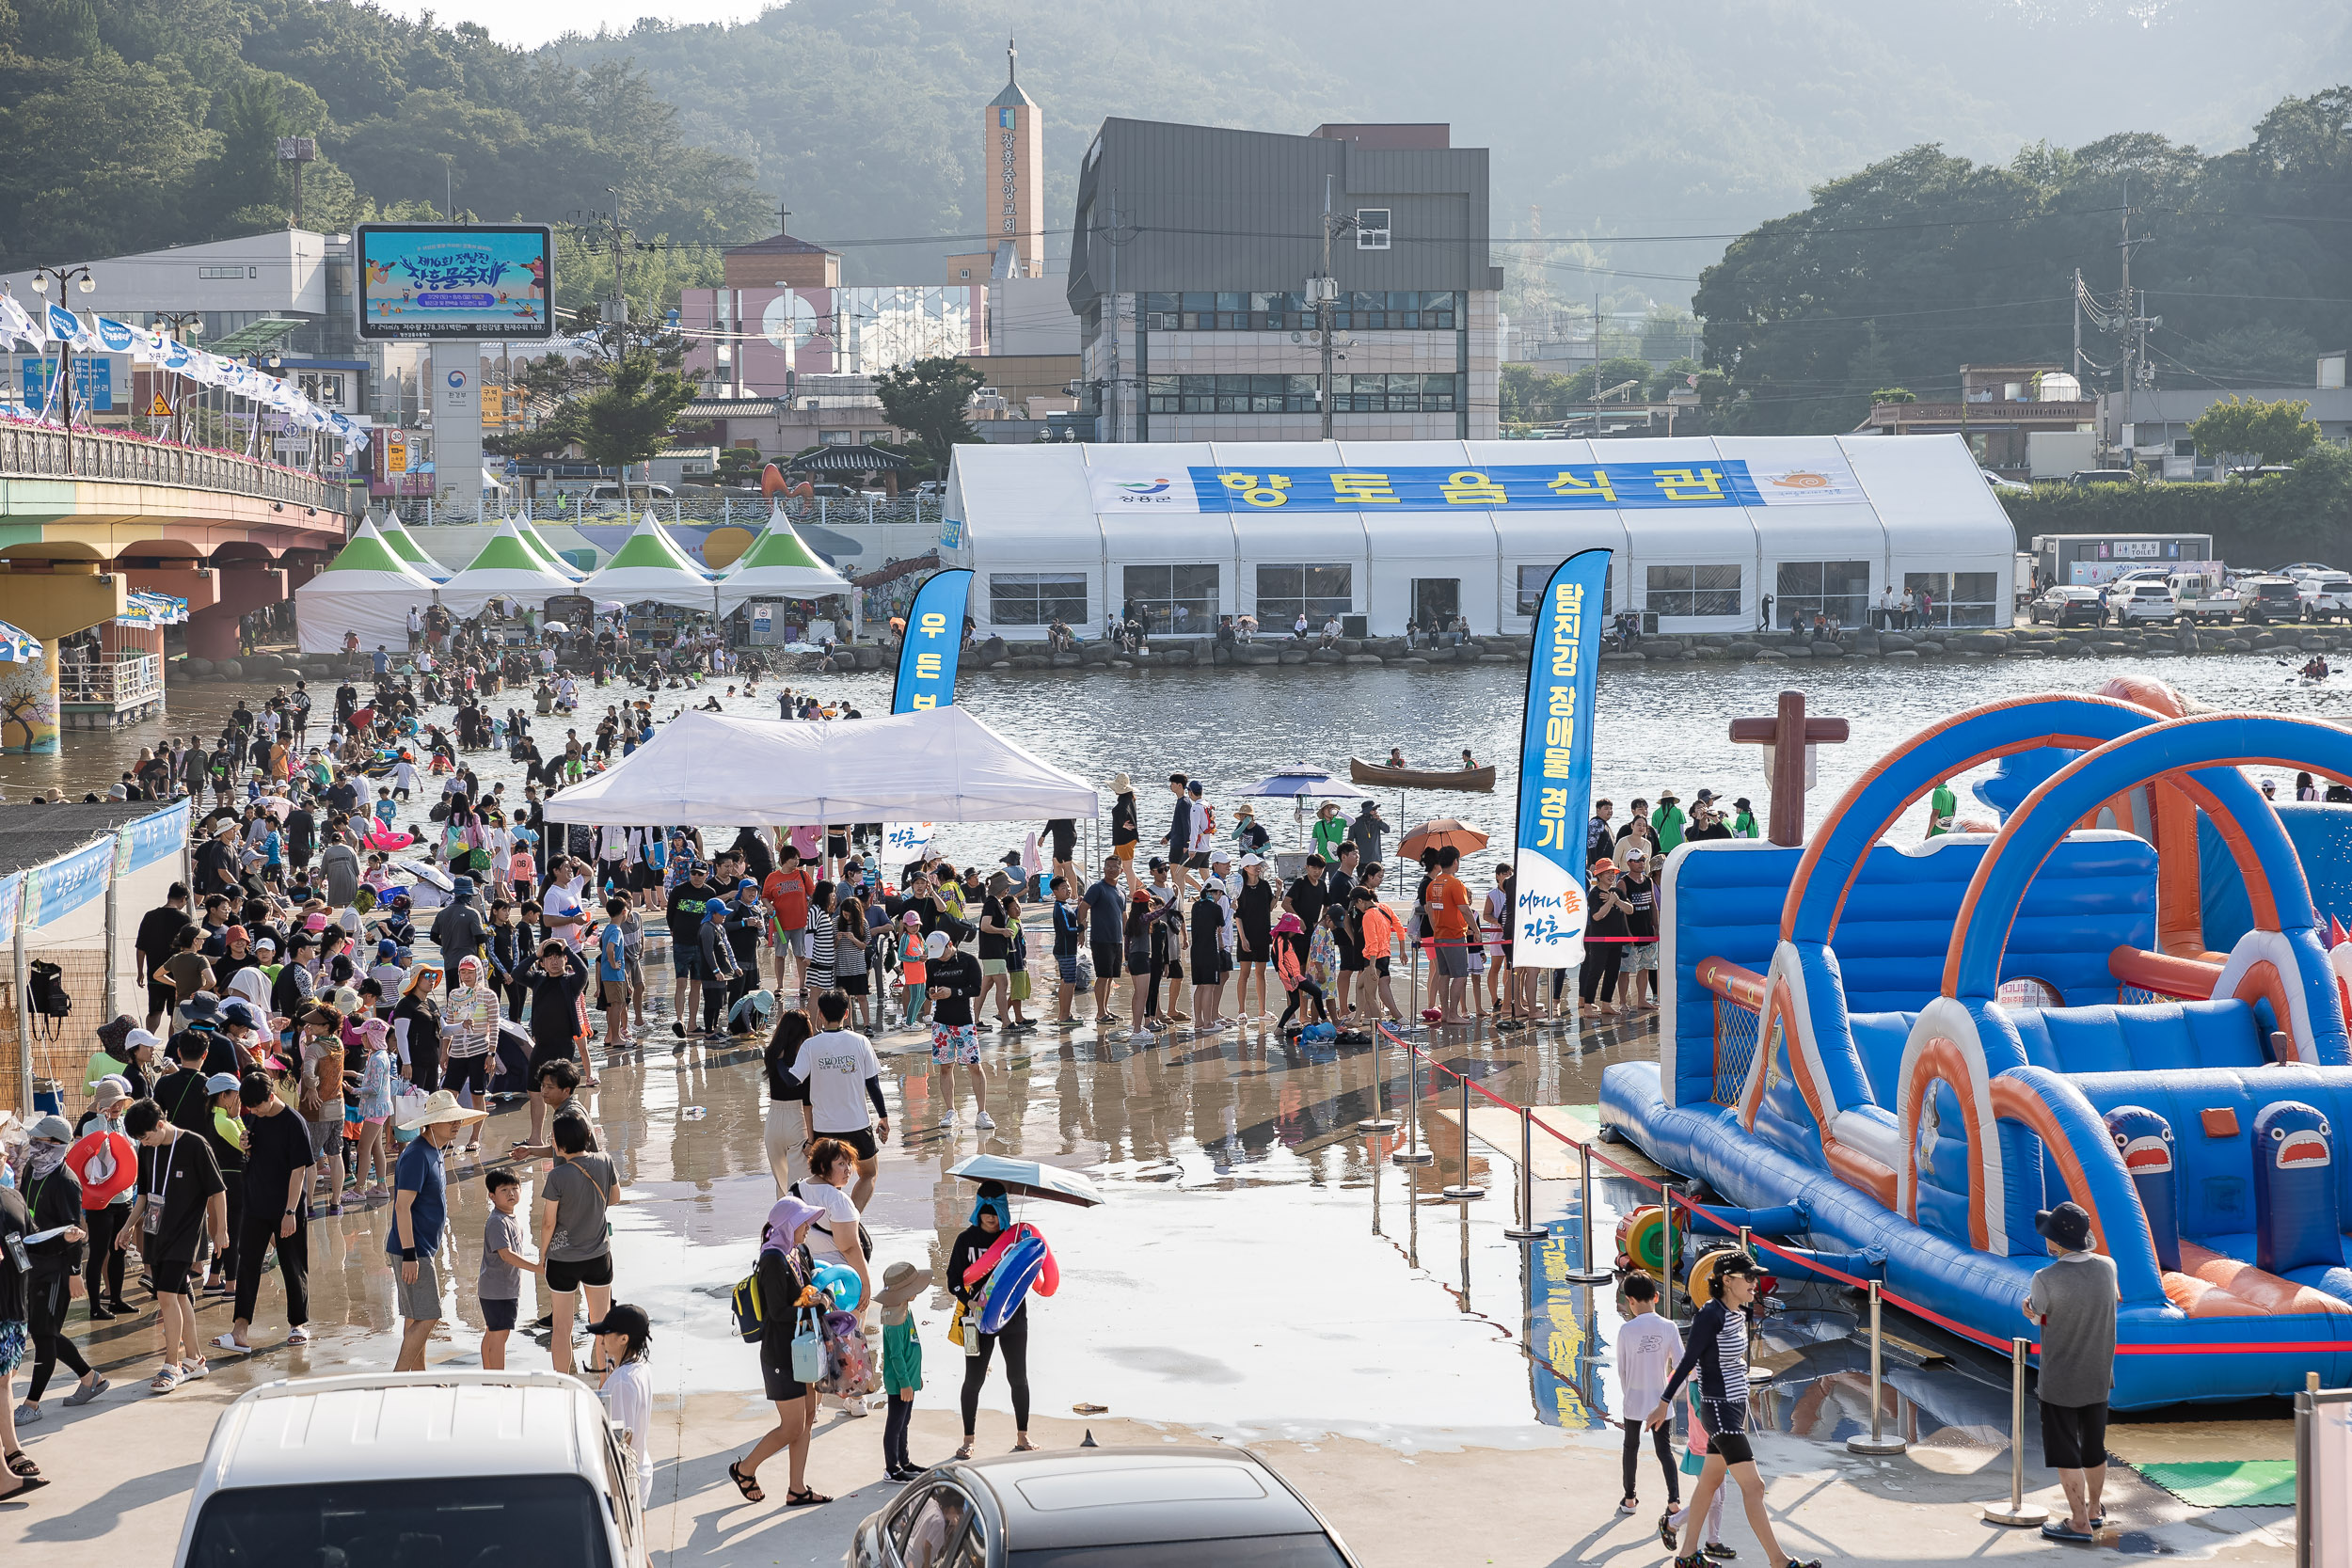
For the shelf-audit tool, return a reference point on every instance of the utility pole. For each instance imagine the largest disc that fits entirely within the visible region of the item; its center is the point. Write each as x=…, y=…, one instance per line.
x=1326, y=290
x=297, y=150
x=1596, y=435
x=2078, y=330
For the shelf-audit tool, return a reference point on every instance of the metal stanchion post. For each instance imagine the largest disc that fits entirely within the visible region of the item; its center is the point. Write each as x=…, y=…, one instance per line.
x=1526, y=1229
x=1380, y=1121
x=1756, y=1379
x=2019, y=1511
x=1875, y=1444
x=1412, y=1153
x=1464, y=1190
x=1588, y=1271
x=1669, y=1254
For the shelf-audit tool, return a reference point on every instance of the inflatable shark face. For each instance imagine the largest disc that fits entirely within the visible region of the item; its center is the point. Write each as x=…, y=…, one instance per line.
x=2144, y=1140
x=2300, y=1149
x=2295, y=1216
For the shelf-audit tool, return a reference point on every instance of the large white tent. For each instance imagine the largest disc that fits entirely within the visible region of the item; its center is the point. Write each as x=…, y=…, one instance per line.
x=505, y=569
x=1708, y=533
x=779, y=564
x=366, y=589
x=714, y=769
x=405, y=546
x=651, y=565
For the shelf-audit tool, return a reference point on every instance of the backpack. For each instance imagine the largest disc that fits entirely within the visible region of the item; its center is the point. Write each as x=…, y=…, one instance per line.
x=44, y=985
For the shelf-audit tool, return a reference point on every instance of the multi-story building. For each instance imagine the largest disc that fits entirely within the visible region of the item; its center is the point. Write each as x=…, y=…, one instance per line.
x=1999, y=407
x=1195, y=253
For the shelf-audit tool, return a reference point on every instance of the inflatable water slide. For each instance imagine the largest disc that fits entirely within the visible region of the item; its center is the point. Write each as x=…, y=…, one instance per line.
x=1906, y=1050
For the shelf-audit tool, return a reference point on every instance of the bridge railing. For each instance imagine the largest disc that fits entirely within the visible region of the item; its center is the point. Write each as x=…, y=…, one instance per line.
x=27, y=452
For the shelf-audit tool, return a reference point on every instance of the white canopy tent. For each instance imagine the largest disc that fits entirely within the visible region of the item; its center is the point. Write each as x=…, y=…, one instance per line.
x=505, y=569
x=713, y=769
x=405, y=546
x=779, y=564
x=651, y=565
x=366, y=589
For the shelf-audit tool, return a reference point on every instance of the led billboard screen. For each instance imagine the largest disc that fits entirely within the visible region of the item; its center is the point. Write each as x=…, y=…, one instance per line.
x=421, y=280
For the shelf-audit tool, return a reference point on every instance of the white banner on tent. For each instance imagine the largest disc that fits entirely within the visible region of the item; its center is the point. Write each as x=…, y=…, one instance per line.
x=903, y=841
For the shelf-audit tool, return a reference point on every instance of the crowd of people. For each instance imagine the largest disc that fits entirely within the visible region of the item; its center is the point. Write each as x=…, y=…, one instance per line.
x=375, y=948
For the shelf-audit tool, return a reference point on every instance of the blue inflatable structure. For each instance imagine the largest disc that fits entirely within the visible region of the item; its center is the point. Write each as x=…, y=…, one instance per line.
x=1915, y=1047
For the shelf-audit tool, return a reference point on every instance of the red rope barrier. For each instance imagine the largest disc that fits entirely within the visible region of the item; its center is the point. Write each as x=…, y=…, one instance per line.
x=2290, y=1347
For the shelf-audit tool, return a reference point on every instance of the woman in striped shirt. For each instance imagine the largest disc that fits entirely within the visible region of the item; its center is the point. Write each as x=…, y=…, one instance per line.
x=470, y=1025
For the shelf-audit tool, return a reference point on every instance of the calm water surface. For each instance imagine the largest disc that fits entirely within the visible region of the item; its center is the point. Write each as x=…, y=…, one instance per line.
x=1658, y=728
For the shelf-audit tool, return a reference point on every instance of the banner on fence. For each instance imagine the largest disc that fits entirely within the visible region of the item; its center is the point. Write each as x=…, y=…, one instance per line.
x=1556, y=766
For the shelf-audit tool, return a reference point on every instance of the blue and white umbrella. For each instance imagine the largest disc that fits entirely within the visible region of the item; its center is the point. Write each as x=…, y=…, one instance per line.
x=1305, y=781
x=17, y=647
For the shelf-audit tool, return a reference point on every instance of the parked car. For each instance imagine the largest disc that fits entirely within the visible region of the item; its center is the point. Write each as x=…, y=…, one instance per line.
x=2301, y=569
x=2268, y=598
x=604, y=494
x=2326, y=596
x=487, y=1467
x=931, y=487
x=2067, y=605
x=2142, y=599
x=2082, y=478
x=1099, y=1508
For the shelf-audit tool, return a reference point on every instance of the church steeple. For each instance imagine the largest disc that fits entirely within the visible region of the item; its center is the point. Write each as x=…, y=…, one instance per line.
x=1012, y=96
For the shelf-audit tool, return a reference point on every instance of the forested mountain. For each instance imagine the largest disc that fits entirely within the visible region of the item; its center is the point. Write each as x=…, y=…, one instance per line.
x=1629, y=148
x=1899, y=274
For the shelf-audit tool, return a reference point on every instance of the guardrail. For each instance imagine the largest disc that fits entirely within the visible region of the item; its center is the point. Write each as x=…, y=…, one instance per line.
x=36, y=453
x=740, y=511
x=133, y=678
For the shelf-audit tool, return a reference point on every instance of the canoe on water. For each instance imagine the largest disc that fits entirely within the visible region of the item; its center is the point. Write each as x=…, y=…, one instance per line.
x=1480, y=780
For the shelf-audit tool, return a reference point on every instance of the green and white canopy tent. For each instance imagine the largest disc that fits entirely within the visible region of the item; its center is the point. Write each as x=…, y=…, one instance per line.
x=505, y=569
x=404, y=546
x=651, y=565
x=367, y=589
x=546, y=552
x=778, y=566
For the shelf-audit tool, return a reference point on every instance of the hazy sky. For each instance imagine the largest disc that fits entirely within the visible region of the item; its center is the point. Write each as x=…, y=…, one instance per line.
x=535, y=21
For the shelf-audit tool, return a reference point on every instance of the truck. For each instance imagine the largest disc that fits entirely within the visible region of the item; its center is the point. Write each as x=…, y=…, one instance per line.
x=2204, y=595
x=2059, y=454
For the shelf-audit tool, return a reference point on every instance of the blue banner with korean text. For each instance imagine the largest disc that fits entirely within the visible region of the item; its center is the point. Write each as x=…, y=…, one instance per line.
x=926, y=658
x=1556, y=767
x=66, y=884
x=152, y=838
x=1119, y=485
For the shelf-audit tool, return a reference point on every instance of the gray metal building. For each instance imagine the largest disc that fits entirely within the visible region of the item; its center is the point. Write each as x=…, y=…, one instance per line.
x=1191, y=253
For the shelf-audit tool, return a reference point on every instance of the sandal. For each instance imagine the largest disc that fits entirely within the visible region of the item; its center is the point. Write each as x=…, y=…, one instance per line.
x=20, y=1463
x=1025, y=1446
x=806, y=1498
x=23, y=1483
x=966, y=1451
x=745, y=1484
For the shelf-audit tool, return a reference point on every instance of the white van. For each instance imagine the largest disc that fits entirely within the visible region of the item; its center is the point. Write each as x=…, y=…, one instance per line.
x=440, y=1468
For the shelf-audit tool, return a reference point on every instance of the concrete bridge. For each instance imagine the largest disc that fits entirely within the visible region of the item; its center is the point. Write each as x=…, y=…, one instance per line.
x=86, y=519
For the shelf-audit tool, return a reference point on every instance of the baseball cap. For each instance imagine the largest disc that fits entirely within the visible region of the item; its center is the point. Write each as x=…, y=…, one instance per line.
x=220, y=1082
x=387, y=948
x=55, y=1130
x=935, y=945
x=622, y=1318
x=1253, y=860
x=265, y=946
x=744, y=883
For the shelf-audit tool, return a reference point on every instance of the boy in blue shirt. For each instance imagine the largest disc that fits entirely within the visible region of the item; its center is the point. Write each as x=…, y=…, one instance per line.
x=612, y=974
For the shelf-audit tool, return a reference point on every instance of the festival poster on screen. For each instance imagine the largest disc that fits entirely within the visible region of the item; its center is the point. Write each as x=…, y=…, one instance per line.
x=469, y=284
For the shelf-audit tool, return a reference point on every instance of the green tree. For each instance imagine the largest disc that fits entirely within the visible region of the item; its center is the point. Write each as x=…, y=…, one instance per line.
x=929, y=401
x=1893, y=394
x=2244, y=427
x=626, y=420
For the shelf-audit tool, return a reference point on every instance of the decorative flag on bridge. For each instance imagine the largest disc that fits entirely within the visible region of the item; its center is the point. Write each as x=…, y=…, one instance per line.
x=1556, y=766
x=934, y=635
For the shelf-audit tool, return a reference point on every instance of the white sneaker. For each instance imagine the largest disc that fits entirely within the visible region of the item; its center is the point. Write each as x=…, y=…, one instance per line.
x=947, y=1116
x=985, y=1121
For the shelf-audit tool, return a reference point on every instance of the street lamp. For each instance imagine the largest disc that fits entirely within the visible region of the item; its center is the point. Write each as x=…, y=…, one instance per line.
x=81, y=278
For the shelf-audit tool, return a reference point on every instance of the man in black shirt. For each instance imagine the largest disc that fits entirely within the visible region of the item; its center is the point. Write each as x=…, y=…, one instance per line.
x=277, y=1161
x=1107, y=936
x=1338, y=888
x=686, y=902
x=182, y=1094
x=954, y=979
x=180, y=1204
x=158, y=938
x=1179, y=839
x=302, y=836
x=1062, y=835
x=1306, y=901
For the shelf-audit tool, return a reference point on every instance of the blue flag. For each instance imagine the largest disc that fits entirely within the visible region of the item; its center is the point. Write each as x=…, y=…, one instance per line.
x=927, y=659
x=1556, y=766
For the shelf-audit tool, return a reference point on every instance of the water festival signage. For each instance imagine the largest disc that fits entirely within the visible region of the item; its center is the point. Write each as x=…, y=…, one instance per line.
x=934, y=635
x=435, y=282
x=1556, y=767
x=1563, y=487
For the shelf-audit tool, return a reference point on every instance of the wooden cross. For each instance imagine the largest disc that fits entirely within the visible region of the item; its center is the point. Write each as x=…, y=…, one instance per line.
x=1788, y=733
